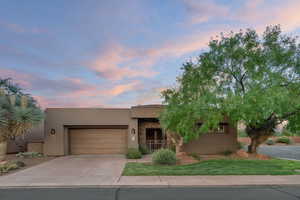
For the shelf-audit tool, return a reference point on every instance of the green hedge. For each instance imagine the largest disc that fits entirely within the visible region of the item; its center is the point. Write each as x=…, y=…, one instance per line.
x=284, y=139
x=133, y=153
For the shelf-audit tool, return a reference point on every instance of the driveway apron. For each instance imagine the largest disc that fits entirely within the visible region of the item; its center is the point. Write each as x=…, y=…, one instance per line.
x=83, y=170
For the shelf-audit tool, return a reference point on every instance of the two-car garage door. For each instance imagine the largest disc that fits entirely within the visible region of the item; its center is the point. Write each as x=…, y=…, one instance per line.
x=97, y=141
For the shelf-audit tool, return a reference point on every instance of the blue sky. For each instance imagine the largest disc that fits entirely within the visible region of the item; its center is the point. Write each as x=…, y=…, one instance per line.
x=118, y=53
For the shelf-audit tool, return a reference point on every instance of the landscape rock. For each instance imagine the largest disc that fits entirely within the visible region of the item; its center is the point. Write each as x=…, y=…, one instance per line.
x=241, y=153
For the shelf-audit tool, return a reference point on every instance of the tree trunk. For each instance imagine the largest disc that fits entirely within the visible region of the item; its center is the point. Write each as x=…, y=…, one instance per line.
x=252, y=148
x=259, y=133
x=178, y=146
x=177, y=141
x=255, y=142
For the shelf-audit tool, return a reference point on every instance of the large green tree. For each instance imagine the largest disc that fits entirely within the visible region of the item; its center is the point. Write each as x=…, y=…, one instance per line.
x=246, y=77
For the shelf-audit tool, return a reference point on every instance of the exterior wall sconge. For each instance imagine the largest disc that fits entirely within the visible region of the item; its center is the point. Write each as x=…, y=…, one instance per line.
x=133, y=131
x=133, y=134
x=52, y=131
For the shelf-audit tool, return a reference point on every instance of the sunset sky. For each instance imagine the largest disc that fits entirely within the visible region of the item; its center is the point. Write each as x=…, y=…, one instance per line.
x=118, y=53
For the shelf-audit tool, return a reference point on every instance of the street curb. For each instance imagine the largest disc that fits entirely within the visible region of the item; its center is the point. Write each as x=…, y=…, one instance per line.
x=147, y=186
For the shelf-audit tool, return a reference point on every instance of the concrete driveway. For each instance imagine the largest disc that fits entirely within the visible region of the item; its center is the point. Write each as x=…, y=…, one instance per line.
x=285, y=152
x=70, y=171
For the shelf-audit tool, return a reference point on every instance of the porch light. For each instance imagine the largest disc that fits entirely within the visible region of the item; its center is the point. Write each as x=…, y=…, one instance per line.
x=52, y=131
x=133, y=134
x=133, y=131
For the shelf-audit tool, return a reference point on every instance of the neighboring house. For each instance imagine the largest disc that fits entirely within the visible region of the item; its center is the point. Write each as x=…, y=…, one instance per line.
x=113, y=131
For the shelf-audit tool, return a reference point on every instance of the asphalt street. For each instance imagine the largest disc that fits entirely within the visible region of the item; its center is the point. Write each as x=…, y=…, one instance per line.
x=208, y=193
x=287, y=152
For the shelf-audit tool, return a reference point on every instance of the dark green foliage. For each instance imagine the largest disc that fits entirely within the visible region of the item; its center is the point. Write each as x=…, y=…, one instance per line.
x=270, y=142
x=19, y=112
x=11, y=165
x=284, y=140
x=29, y=155
x=216, y=167
x=227, y=153
x=133, y=153
x=20, y=164
x=143, y=150
x=241, y=145
x=164, y=157
x=172, y=148
x=196, y=156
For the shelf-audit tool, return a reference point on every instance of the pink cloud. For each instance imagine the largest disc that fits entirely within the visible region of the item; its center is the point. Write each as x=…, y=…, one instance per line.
x=257, y=13
x=121, y=88
x=90, y=90
x=19, y=78
x=113, y=64
x=286, y=13
x=68, y=92
x=20, y=29
x=150, y=96
x=60, y=102
x=204, y=10
x=110, y=64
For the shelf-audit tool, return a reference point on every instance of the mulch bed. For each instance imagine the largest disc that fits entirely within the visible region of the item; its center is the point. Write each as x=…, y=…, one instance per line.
x=184, y=158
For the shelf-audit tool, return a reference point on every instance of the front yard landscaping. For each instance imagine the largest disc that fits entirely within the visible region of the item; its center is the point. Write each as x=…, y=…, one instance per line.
x=21, y=161
x=217, y=167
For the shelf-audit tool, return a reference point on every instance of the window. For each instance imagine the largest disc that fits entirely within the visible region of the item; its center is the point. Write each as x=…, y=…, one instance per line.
x=221, y=129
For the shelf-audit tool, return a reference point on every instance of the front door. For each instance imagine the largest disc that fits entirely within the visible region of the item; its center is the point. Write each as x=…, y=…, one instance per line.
x=155, y=139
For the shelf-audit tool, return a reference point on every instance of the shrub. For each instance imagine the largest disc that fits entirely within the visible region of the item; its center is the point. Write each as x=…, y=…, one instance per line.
x=164, y=157
x=133, y=153
x=286, y=132
x=284, y=139
x=196, y=156
x=172, y=148
x=6, y=167
x=29, y=155
x=144, y=150
x=270, y=142
x=241, y=145
x=227, y=152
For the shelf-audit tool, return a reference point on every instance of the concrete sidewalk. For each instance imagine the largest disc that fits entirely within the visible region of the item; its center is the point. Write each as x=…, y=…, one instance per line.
x=178, y=181
x=165, y=181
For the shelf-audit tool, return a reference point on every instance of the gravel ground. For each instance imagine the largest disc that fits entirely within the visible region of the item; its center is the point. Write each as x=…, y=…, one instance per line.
x=286, y=152
x=29, y=162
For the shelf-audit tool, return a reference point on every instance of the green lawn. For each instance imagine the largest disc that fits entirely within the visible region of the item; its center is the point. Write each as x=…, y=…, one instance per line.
x=217, y=167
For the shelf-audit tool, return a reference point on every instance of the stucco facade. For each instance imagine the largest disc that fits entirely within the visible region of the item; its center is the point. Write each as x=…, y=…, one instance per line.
x=136, y=120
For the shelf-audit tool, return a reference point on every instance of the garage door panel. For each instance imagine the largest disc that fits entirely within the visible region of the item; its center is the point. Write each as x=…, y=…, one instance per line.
x=98, y=141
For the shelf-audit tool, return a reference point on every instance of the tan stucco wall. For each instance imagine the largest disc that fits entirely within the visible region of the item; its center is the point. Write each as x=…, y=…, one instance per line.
x=213, y=143
x=133, y=140
x=148, y=111
x=59, y=118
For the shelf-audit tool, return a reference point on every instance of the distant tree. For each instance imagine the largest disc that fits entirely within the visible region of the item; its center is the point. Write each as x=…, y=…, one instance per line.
x=247, y=78
x=19, y=112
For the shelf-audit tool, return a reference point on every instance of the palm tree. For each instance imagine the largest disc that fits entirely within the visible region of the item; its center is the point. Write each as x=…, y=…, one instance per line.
x=19, y=112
